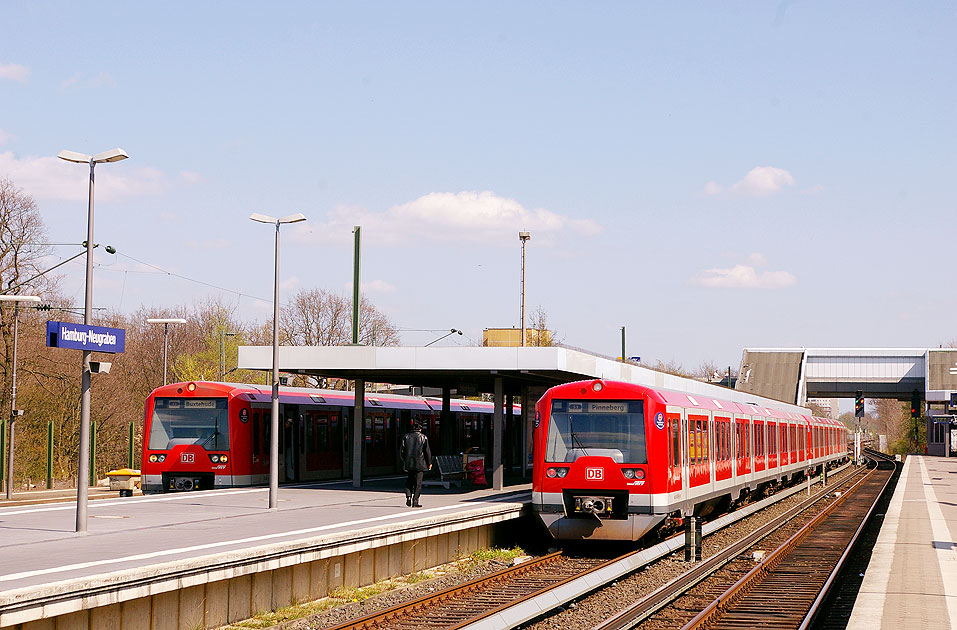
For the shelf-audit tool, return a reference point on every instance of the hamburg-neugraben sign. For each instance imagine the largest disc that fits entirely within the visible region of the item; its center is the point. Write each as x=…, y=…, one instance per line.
x=84, y=337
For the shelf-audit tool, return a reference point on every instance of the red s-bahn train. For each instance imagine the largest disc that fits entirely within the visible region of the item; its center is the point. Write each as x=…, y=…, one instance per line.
x=613, y=461
x=201, y=436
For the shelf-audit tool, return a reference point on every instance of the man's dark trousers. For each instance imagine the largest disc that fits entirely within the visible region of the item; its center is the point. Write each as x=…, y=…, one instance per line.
x=413, y=485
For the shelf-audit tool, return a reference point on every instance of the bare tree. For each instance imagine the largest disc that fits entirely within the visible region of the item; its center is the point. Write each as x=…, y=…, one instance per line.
x=22, y=248
x=538, y=334
x=316, y=317
x=670, y=367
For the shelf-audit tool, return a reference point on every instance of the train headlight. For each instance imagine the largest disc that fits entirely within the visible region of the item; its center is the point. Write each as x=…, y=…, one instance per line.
x=629, y=473
x=562, y=472
x=157, y=457
x=223, y=459
x=191, y=387
x=551, y=472
x=214, y=459
x=153, y=458
x=597, y=386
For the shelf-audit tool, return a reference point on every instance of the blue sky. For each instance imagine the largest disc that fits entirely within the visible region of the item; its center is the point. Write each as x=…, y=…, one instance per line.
x=711, y=175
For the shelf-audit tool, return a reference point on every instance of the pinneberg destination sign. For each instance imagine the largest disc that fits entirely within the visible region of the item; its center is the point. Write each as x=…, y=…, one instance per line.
x=84, y=337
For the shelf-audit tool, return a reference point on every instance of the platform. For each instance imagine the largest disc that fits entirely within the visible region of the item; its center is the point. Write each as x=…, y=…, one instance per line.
x=911, y=580
x=141, y=547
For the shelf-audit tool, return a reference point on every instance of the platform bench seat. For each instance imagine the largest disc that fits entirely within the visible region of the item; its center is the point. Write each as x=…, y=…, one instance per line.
x=450, y=470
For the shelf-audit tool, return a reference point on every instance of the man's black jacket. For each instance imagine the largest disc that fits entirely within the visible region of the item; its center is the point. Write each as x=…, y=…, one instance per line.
x=416, y=454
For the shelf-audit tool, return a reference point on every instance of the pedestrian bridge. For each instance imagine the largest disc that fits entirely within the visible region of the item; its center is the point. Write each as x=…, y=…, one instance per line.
x=796, y=374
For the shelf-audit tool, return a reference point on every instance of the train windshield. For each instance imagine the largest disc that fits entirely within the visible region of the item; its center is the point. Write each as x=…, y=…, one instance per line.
x=606, y=428
x=193, y=421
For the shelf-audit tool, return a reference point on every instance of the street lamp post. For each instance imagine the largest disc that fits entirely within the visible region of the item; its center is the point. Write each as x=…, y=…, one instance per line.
x=451, y=332
x=274, y=421
x=83, y=474
x=166, y=321
x=523, y=236
x=14, y=412
x=222, y=353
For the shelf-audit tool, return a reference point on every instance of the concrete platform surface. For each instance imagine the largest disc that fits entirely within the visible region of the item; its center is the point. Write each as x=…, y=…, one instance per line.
x=39, y=547
x=911, y=580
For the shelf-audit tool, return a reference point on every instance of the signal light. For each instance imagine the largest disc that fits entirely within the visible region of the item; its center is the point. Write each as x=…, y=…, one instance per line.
x=859, y=404
x=915, y=404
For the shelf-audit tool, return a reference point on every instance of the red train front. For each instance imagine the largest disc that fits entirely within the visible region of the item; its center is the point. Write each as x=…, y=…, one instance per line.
x=592, y=475
x=187, y=439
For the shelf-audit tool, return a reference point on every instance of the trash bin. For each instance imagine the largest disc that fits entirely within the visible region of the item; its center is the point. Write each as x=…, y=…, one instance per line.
x=125, y=480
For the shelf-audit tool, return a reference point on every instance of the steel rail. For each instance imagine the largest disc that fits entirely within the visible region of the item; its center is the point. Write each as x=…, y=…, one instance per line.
x=759, y=572
x=825, y=590
x=373, y=619
x=664, y=595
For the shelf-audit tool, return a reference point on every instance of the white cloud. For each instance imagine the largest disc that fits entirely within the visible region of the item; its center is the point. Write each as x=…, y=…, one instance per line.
x=290, y=284
x=78, y=80
x=469, y=215
x=52, y=178
x=743, y=277
x=14, y=72
x=762, y=181
x=5, y=137
x=757, y=259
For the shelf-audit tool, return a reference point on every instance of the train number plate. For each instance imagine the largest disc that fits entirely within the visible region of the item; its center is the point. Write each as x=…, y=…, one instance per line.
x=187, y=458
x=594, y=474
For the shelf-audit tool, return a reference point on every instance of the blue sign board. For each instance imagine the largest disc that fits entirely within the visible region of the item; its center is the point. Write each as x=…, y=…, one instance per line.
x=83, y=337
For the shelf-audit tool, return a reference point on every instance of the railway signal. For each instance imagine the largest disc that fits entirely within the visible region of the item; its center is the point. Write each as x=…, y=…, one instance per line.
x=915, y=404
x=859, y=404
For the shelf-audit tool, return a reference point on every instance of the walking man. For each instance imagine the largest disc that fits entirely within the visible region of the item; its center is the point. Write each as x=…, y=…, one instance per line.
x=416, y=460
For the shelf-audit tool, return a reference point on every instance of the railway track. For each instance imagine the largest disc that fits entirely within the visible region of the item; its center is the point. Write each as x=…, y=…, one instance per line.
x=731, y=591
x=475, y=600
x=504, y=599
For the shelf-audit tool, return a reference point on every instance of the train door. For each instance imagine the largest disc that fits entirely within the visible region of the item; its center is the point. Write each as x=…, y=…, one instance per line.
x=673, y=421
x=322, y=453
x=723, y=460
x=685, y=460
x=381, y=442
x=289, y=424
x=698, y=450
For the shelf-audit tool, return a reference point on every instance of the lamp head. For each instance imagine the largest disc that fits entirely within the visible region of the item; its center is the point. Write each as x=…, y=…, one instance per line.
x=524, y=236
x=73, y=156
x=113, y=155
x=262, y=218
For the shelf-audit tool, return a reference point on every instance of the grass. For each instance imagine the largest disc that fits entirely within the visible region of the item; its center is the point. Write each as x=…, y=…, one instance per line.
x=347, y=595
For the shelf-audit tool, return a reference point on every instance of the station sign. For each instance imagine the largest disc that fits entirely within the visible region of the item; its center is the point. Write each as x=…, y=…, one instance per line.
x=84, y=337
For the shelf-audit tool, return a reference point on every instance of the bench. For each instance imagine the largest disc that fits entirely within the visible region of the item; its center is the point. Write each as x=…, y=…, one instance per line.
x=450, y=470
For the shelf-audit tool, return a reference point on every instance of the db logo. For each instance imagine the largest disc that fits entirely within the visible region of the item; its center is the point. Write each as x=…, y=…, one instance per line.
x=594, y=474
x=187, y=458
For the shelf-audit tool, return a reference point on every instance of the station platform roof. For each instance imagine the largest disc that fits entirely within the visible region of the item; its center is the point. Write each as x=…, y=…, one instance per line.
x=472, y=369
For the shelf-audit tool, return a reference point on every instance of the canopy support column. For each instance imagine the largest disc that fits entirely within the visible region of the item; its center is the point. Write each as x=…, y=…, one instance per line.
x=358, y=422
x=498, y=474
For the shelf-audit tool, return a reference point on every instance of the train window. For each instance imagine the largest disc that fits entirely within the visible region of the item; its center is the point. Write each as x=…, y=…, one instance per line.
x=705, y=442
x=606, y=428
x=675, y=442
x=257, y=421
x=197, y=421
